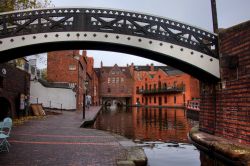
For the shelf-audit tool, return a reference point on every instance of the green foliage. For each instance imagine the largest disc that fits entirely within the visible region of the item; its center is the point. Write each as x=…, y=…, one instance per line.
x=44, y=73
x=9, y=5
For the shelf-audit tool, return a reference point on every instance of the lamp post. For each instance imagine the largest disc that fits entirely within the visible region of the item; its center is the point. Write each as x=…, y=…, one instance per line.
x=214, y=15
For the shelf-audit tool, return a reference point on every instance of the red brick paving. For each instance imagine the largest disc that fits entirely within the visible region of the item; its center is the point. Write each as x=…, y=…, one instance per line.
x=59, y=141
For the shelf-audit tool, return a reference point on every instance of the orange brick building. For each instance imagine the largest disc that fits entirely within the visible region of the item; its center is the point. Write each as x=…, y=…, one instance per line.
x=163, y=86
x=69, y=66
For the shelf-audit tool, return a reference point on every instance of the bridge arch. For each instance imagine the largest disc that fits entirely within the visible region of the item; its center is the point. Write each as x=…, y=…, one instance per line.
x=185, y=47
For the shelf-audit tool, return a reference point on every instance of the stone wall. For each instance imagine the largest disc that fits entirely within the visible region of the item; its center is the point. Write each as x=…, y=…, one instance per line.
x=52, y=97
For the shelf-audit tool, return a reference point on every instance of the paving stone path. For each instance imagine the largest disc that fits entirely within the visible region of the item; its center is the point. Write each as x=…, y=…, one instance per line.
x=58, y=140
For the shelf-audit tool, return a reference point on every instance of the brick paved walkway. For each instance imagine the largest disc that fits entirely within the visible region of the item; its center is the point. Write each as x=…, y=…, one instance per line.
x=57, y=140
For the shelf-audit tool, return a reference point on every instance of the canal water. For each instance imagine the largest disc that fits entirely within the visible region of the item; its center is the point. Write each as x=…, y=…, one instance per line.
x=162, y=132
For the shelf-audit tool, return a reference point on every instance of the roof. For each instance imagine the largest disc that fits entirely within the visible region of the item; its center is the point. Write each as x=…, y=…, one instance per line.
x=167, y=69
x=107, y=69
x=64, y=85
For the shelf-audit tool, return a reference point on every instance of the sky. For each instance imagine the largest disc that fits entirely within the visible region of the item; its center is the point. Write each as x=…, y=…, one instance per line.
x=194, y=12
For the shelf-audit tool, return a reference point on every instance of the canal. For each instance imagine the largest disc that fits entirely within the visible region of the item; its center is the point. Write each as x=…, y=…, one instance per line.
x=162, y=132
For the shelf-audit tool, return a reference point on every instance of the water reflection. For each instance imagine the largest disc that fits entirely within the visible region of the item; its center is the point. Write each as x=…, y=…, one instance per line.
x=147, y=124
x=162, y=132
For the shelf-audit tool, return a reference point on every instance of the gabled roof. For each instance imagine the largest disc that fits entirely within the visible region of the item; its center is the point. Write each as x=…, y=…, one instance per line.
x=167, y=69
x=107, y=69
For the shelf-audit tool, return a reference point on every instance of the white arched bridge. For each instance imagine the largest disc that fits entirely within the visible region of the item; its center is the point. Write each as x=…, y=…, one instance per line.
x=183, y=46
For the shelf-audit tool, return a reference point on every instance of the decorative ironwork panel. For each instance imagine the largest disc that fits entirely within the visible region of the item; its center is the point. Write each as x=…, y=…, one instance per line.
x=109, y=21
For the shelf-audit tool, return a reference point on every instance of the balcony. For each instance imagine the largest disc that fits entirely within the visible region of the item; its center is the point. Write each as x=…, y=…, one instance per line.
x=173, y=89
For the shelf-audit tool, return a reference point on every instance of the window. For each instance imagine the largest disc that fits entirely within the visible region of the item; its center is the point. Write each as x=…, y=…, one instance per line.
x=142, y=100
x=117, y=80
x=165, y=99
x=149, y=99
x=122, y=79
x=72, y=67
x=108, y=80
x=154, y=99
x=113, y=80
x=109, y=90
x=94, y=90
x=175, y=99
x=165, y=85
x=137, y=89
x=150, y=87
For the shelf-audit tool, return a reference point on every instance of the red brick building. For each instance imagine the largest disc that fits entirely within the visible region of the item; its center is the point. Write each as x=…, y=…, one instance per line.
x=69, y=66
x=225, y=106
x=163, y=86
x=13, y=83
x=92, y=82
x=116, y=85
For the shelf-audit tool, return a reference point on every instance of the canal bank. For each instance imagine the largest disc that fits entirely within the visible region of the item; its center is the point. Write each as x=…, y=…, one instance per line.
x=59, y=140
x=229, y=151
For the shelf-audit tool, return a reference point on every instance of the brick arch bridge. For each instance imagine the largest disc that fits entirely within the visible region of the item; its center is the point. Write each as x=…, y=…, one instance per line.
x=183, y=46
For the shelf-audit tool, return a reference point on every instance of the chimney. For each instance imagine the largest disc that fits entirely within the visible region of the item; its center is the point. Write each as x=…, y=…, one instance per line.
x=152, y=67
x=101, y=64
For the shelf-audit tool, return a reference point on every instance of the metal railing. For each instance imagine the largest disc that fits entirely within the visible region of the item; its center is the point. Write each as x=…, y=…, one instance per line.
x=173, y=89
x=108, y=21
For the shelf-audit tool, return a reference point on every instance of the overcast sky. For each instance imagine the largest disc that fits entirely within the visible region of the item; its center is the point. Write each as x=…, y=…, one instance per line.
x=194, y=12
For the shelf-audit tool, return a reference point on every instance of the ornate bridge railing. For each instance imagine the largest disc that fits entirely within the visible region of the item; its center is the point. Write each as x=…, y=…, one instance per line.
x=109, y=21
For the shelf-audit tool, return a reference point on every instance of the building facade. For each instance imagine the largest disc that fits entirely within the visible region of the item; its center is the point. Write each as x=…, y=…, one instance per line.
x=14, y=89
x=163, y=86
x=116, y=85
x=70, y=67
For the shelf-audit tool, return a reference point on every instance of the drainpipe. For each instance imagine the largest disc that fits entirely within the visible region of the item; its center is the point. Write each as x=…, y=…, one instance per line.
x=216, y=30
x=214, y=15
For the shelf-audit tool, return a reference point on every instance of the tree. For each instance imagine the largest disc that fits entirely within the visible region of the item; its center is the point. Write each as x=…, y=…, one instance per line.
x=44, y=73
x=9, y=5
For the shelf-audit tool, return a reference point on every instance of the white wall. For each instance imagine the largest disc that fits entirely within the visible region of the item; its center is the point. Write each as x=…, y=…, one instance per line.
x=55, y=96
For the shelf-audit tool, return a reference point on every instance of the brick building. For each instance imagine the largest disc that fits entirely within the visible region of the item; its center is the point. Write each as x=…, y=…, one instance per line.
x=92, y=82
x=116, y=85
x=69, y=66
x=163, y=86
x=13, y=83
x=225, y=106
